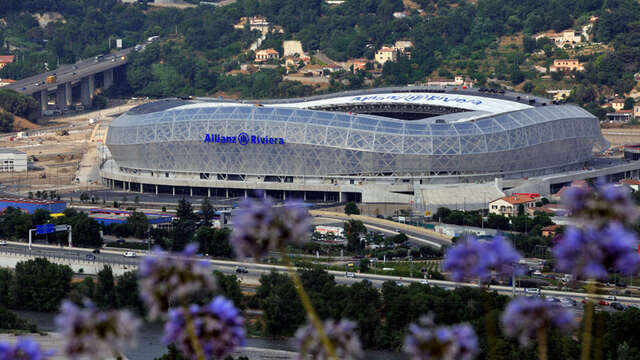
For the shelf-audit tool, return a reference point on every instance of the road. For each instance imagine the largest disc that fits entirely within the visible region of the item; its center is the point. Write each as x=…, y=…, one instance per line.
x=69, y=73
x=255, y=270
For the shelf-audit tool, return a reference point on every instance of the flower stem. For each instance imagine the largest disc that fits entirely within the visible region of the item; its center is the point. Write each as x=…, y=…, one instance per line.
x=306, y=303
x=491, y=331
x=191, y=331
x=542, y=344
x=587, y=328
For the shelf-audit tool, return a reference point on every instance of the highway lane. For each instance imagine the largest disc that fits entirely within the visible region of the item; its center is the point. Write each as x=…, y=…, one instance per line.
x=255, y=270
x=69, y=73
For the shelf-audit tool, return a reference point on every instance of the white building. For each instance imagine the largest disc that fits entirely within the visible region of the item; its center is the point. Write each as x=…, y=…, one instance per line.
x=12, y=160
x=508, y=205
x=330, y=230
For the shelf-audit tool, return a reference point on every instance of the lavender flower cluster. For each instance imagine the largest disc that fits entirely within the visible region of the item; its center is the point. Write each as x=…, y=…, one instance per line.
x=601, y=241
x=218, y=327
x=345, y=342
x=602, y=204
x=166, y=278
x=88, y=332
x=24, y=349
x=425, y=341
x=474, y=259
x=260, y=226
x=524, y=317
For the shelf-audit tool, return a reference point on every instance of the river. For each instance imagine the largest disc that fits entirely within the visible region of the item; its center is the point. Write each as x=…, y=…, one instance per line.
x=150, y=343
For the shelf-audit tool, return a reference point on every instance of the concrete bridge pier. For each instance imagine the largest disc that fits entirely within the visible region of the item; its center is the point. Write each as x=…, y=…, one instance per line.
x=108, y=79
x=43, y=98
x=87, y=89
x=63, y=95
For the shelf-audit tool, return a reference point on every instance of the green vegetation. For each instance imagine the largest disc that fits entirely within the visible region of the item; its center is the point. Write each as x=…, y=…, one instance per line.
x=488, y=40
x=351, y=208
x=17, y=104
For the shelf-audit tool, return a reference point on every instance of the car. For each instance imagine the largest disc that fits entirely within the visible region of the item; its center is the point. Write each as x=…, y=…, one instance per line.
x=603, y=303
x=96, y=251
x=424, y=282
x=537, y=273
x=611, y=298
x=618, y=306
x=130, y=254
x=549, y=298
x=350, y=275
x=242, y=270
x=399, y=283
x=532, y=291
x=3, y=243
x=567, y=302
x=90, y=257
x=120, y=241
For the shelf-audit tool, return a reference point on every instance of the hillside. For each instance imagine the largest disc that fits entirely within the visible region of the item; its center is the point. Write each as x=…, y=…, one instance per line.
x=208, y=50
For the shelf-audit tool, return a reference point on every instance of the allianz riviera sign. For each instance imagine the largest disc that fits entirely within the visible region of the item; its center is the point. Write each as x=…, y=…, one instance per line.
x=243, y=139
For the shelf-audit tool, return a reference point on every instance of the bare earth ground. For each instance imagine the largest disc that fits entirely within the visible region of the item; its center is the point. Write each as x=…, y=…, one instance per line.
x=60, y=162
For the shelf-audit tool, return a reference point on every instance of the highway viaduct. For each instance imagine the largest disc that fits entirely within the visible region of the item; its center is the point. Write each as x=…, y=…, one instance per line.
x=76, y=82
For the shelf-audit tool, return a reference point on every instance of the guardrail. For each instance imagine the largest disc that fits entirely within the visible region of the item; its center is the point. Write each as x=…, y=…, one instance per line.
x=76, y=258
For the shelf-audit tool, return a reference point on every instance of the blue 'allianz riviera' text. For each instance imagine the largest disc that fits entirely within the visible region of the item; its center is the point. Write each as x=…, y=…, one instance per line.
x=251, y=139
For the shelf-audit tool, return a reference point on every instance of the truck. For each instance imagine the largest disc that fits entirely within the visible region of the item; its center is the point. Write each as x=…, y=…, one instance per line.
x=51, y=79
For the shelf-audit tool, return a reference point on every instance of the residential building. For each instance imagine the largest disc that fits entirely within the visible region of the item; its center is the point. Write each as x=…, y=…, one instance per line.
x=403, y=45
x=266, y=54
x=4, y=82
x=551, y=230
x=458, y=80
x=359, y=64
x=292, y=48
x=550, y=209
x=386, y=54
x=633, y=184
x=400, y=14
x=620, y=116
x=294, y=61
x=576, y=183
x=508, y=205
x=559, y=95
x=12, y=160
x=617, y=104
x=567, y=37
x=564, y=65
x=6, y=59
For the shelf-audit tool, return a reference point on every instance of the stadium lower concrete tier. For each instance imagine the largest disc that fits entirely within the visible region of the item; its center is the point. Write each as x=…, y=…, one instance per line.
x=381, y=146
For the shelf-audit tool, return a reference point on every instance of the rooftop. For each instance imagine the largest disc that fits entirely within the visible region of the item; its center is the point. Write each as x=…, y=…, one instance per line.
x=519, y=198
x=6, y=59
x=12, y=151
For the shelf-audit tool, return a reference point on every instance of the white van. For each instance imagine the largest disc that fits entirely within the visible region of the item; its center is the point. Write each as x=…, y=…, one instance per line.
x=532, y=291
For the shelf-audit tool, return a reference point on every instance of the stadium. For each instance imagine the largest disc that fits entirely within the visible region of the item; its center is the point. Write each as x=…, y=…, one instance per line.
x=390, y=145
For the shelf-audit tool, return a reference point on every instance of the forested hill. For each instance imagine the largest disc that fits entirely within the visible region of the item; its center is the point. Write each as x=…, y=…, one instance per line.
x=490, y=41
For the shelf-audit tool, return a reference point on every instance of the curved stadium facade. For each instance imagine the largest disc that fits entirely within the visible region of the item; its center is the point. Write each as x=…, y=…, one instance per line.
x=373, y=146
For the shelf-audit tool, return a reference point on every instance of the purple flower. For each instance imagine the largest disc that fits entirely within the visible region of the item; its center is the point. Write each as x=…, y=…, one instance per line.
x=218, y=327
x=523, y=317
x=88, y=332
x=425, y=341
x=590, y=251
x=24, y=349
x=473, y=259
x=604, y=203
x=342, y=336
x=165, y=278
x=259, y=227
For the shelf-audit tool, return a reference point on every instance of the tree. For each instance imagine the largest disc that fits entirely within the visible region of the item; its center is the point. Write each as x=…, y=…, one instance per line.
x=84, y=289
x=6, y=279
x=40, y=285
x=6, y=121
x=353, y=229
x=138, y=224
x=628, y=103
x=527, y=87
x=214, y=242
x=351, y=208
x=105, y=295
x=283, y=312
x=207, y=212
x=229, y=287
x=127, y=293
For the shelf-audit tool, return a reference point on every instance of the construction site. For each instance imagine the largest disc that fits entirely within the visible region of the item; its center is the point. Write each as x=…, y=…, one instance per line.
x=63, y=155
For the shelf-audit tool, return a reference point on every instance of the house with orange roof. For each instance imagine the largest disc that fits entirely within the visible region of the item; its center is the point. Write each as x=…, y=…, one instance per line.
x=266, y=54
x=6, y=59
x=508, y=205
x=633, y=184
x=4, y=82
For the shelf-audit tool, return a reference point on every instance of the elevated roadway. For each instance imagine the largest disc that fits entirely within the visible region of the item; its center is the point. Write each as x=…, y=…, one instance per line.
x=83, y=73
